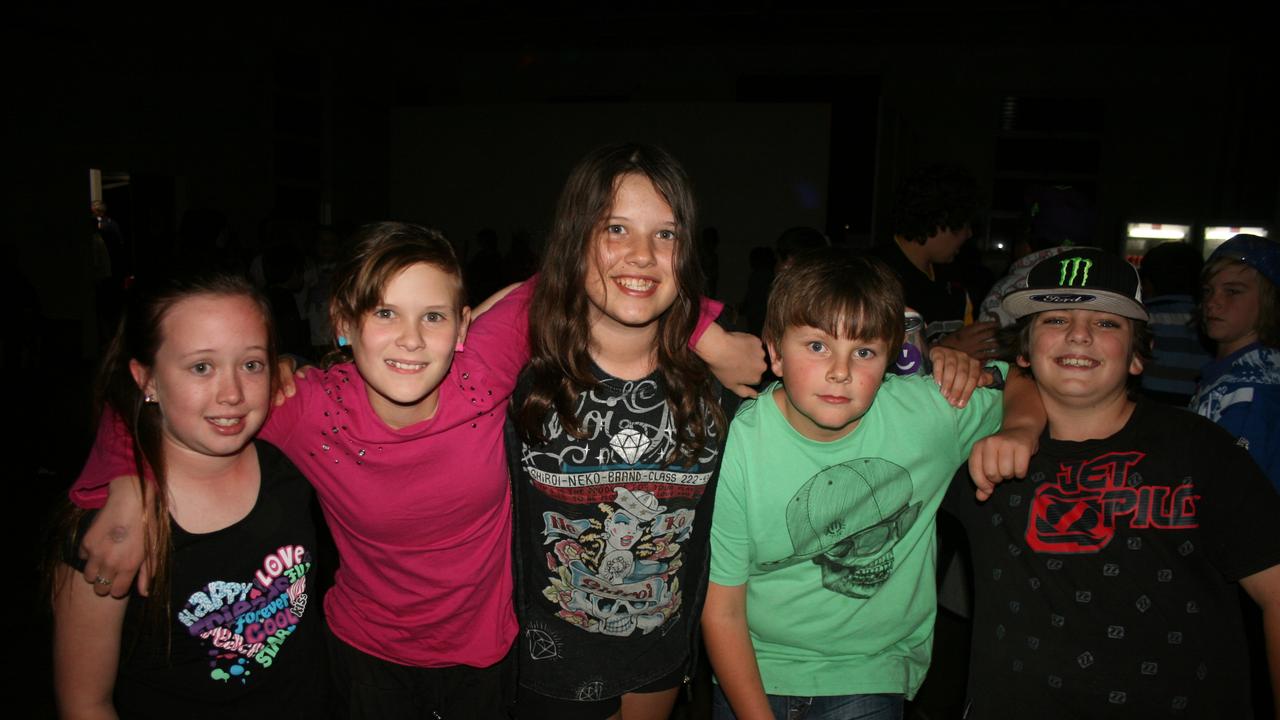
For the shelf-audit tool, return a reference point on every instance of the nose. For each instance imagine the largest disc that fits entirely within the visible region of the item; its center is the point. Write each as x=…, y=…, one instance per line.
x=838, y=370
x=410, y=337
x=230, y=391
x=1080, y=330
x=641, y=251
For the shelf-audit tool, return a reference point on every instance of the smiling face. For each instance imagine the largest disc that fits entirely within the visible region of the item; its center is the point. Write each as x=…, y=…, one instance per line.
x=1232, y=300
x=630, y=276
x=210, y=377
x=404, y=346
x=828, y=383
x=1081, y=358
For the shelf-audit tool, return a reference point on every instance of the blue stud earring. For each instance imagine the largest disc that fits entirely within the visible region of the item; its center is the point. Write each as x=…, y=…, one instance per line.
x=342, y=341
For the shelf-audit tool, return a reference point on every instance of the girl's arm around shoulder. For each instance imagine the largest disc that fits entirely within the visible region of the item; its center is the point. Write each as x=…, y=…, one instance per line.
x=86, y=647
x=499, y=334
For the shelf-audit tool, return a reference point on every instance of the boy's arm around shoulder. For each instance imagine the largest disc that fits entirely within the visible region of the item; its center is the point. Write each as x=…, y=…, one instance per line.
x=1007, y=454
x=1264, y=588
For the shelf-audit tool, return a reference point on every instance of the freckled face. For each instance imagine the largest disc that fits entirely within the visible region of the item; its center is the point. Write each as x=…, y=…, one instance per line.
x=1232, y=299
x=404, y=347
x=210, y=376
x=828, y=383
x=1081, y=357
x=630, y=276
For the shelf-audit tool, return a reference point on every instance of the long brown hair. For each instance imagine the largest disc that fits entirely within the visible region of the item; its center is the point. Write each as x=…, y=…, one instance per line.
x=559, y=332
x=139, y=337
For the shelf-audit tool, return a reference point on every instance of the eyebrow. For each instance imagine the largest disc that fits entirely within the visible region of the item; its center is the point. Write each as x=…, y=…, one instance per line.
x=205, y=351
x=672, y=223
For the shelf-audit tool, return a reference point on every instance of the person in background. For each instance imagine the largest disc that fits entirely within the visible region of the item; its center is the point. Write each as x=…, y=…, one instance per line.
x=933, y=214
x=1240, y=389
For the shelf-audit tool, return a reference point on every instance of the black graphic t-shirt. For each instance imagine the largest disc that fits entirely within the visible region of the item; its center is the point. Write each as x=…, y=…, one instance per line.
x=611, y=543
x=1105, y=583
x=246, y=631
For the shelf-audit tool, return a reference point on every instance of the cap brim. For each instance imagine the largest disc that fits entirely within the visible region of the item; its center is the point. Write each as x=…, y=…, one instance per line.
x=1021, y=303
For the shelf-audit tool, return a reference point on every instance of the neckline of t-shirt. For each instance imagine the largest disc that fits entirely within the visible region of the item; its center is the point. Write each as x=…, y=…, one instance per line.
x=1064, y=448
x=177, y=529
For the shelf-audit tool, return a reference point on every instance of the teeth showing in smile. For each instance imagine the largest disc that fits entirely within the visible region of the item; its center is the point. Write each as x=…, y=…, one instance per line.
x=1077, y=362
x=636, y=284
x=225, y=422
x=406, y=366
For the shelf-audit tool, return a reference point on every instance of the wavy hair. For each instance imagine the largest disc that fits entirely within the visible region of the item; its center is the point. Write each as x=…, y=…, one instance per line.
x=559, y=369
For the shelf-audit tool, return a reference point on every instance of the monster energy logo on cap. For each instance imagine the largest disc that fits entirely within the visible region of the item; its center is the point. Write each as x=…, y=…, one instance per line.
x=1078, y=267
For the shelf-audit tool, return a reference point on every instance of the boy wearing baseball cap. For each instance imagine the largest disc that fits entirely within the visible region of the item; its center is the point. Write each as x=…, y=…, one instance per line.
x=1105, y=582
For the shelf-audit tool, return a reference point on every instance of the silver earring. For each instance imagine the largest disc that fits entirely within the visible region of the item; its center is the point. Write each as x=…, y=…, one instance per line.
x=149, y=398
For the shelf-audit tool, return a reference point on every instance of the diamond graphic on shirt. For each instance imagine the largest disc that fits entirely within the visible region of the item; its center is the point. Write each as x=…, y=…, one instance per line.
x=1202, y=671
x=1083, y=596
x=1057, y=620
x=1000, y=632
x=997, y=519
x=1150, y=668
x=541, y=645
x=629, y=444
x=1134, y=543
x=1014, y=606
x=1015, y=501
x=1117, y=697
x=1179, y=702
x=1034, y=583
x=1115, y=632
x=1175, y=638
x=1053, y=564
x=996, y=573
x=1017, y=665
x=1135, y=479
x=1165, y=575
x=1014, y=550
x=1192, y=607
x=1110, y=570
x=1084, y=659
x=1186, y=548
x=1143, y=604
x=1055, y=681
x=1033, y=642
x=590, y=691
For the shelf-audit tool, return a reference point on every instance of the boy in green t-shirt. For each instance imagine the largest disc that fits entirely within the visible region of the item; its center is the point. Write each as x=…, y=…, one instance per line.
x=822, y=543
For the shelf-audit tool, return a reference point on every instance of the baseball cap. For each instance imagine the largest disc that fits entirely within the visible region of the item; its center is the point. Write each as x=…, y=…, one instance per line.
x=1079, y=279
x=1258, y=253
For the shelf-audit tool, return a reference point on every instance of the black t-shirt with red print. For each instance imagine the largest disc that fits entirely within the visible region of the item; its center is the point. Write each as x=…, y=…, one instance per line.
x=1105, y=582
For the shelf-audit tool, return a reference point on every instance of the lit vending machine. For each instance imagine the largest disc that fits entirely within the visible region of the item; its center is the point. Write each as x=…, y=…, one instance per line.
x=1215, y=235
x=1140, y=237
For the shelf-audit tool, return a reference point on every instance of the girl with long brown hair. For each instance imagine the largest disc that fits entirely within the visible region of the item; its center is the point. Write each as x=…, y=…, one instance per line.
x=620, y=431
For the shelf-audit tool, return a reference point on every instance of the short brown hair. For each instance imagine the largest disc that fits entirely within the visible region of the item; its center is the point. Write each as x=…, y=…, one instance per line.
x=1268, y=300
x=842, y=294
x=382, y=251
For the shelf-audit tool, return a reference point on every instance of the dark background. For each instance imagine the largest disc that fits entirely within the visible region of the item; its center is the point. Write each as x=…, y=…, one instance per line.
x=465, y=116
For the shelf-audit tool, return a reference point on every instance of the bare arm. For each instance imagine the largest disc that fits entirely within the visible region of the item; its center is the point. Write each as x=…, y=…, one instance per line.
x=724, y=627
x=736, y=359
x=86, y=647
x=1008, y=453
x=1264, y=588
x=114, y=545
x=492, y=300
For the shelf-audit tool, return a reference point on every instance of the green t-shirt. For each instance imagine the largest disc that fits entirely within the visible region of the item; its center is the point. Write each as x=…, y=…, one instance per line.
x=835, y=540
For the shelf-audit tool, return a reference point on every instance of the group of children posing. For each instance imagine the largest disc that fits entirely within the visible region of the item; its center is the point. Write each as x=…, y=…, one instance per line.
x=536, y=507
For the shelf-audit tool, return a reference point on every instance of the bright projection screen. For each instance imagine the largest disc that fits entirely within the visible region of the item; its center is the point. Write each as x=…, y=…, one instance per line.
x=757, y=168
